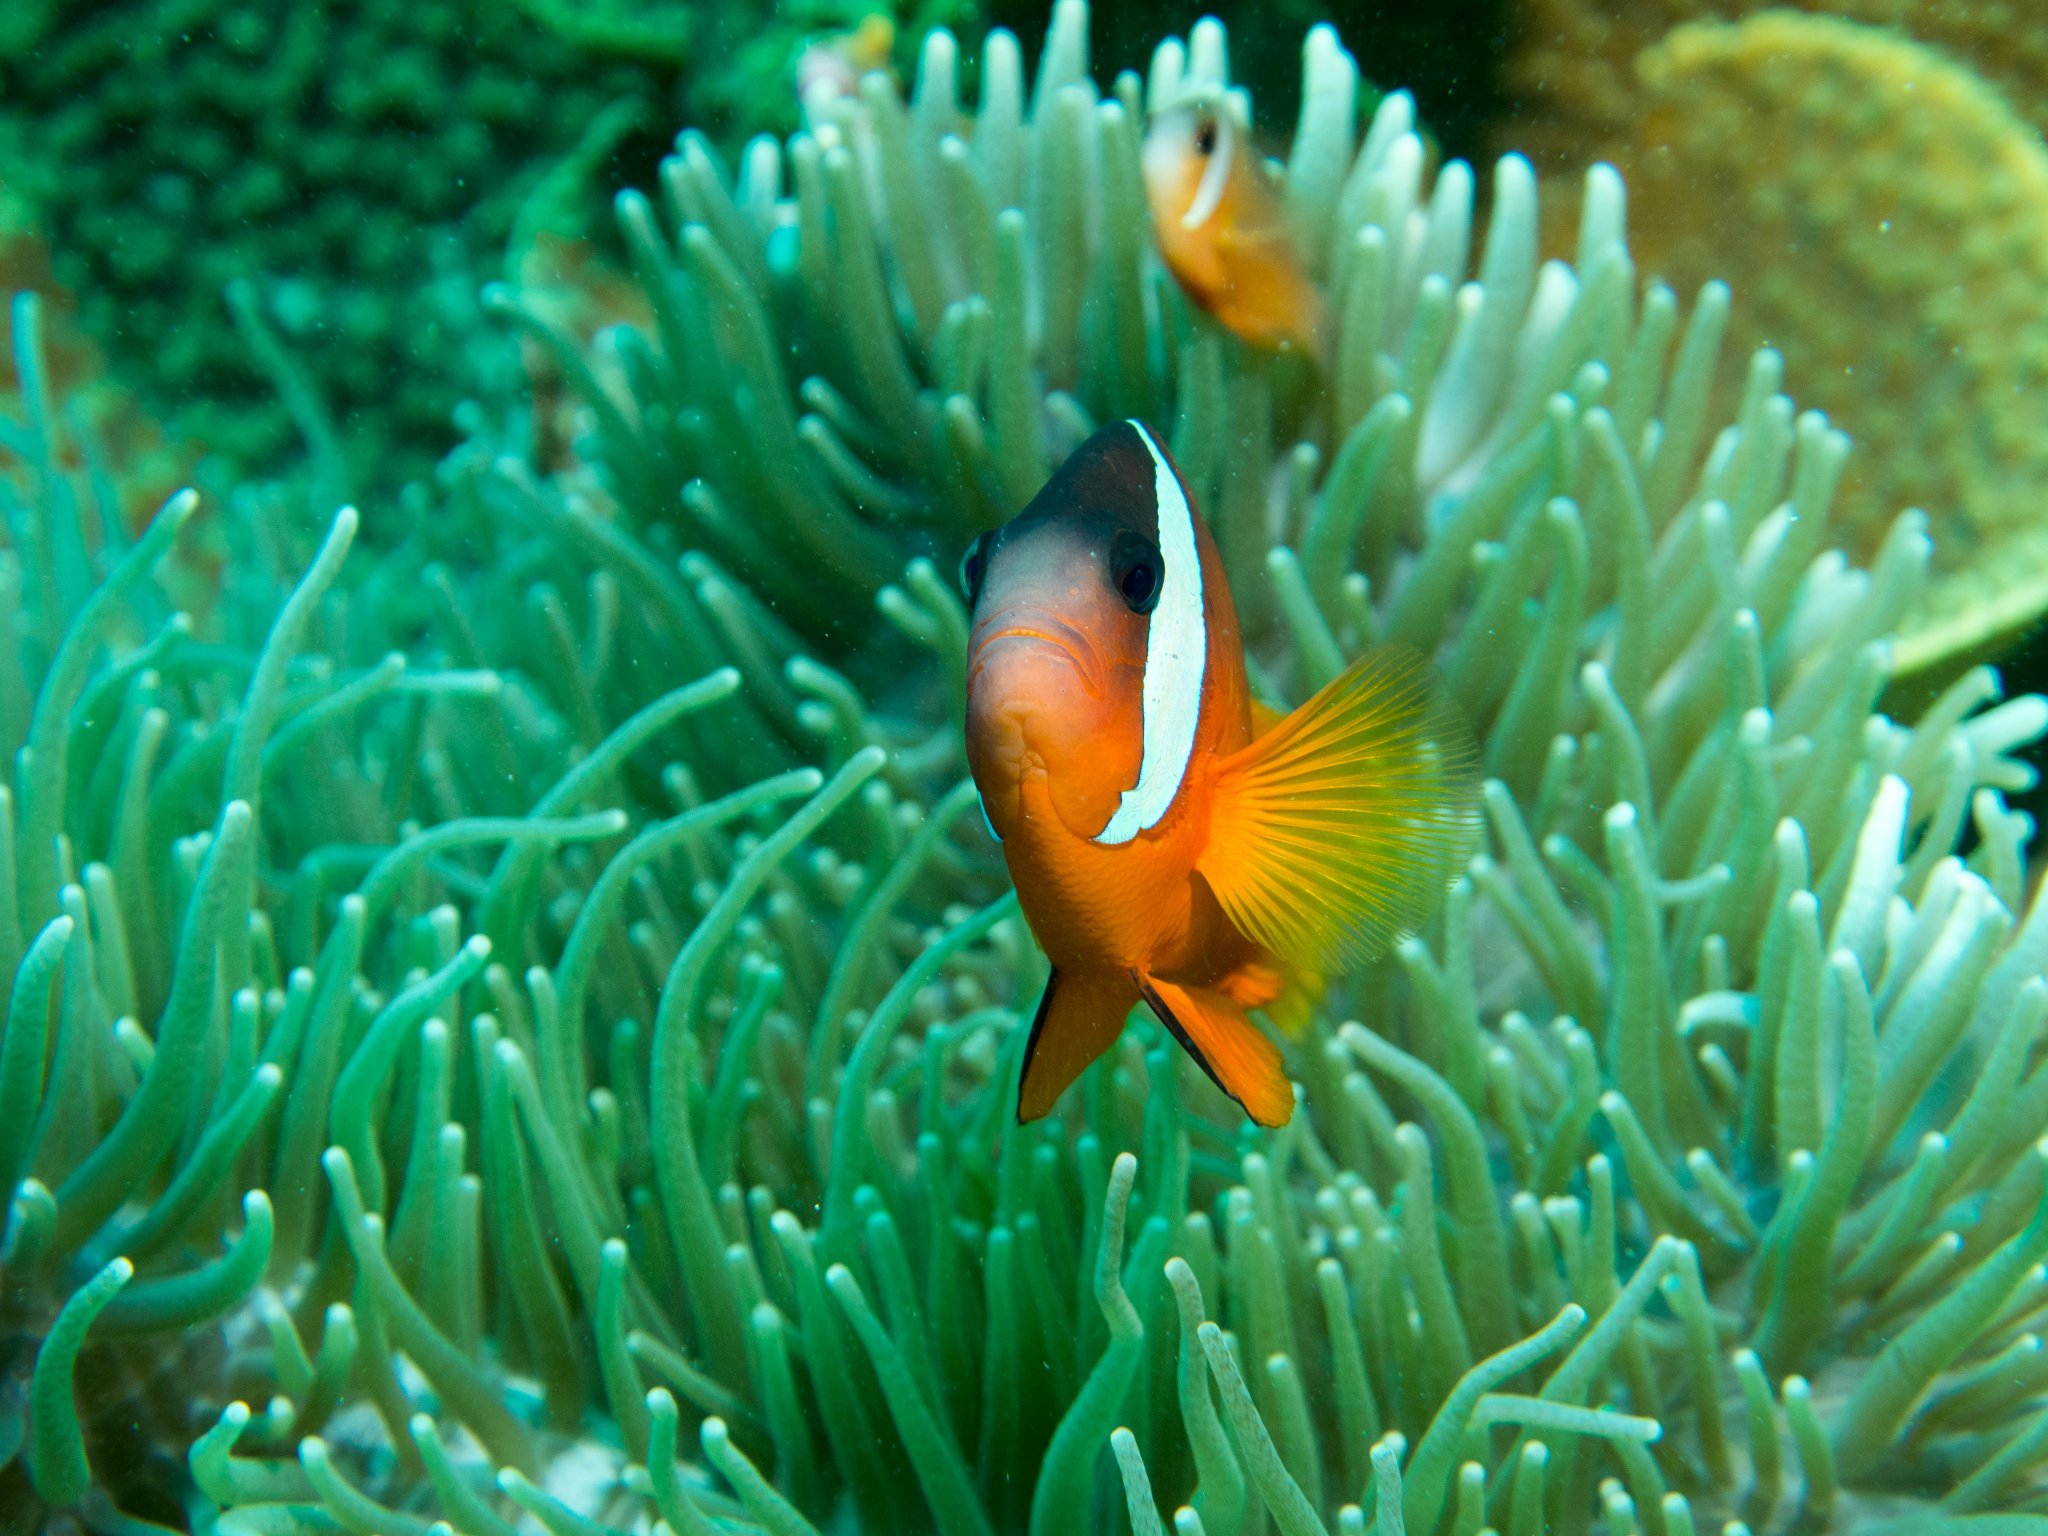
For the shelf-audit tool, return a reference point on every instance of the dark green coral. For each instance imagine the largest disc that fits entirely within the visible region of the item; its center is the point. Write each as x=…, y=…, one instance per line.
x=360, y=162
x=362, y=165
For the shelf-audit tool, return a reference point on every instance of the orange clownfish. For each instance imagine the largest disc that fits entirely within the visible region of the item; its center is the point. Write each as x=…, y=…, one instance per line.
x=1170, y=840
x=1221, y=226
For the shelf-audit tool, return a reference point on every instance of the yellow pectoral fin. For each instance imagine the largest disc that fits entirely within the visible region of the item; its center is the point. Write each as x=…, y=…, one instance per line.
x=1265, y=717
x=1226, y=1045
x=1079, y=1018
x=1335, y=833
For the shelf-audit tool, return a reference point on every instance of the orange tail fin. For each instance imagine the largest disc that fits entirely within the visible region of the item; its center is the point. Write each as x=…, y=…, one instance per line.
x=1225, y=1044
x=1335, y=833
x=1079, y=1018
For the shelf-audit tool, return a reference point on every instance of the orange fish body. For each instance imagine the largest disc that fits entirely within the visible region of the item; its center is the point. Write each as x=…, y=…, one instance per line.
x=1222, y=230
x=1161, y=849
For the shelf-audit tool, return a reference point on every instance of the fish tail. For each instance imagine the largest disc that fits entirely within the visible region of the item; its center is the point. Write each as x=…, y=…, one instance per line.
x=1286, y=993
x=1079, y=1018
x=1335, y=833
x=1295, y=1005
x=1212, y=1028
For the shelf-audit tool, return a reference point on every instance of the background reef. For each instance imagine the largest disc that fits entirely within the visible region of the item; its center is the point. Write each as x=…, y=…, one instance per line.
x=222, y=181
x=1872, y=179
x=248, y=202
x=511, y=1022
x=254, y=207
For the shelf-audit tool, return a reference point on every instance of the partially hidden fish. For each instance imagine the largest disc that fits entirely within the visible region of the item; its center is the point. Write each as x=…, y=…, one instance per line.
x=830, y=67
x=1222, y=229
x=1172, y=841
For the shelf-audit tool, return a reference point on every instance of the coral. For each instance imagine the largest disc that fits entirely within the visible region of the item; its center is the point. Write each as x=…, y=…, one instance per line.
x=361, y=163
x=1571, y=63
x=1824, y=167
x=632, y=1145
x=1948, y=383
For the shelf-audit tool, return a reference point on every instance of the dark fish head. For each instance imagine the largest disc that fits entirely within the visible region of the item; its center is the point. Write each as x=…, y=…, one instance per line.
x=1067, y=601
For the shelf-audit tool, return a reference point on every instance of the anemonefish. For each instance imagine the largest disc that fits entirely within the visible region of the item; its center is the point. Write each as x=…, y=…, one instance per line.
x=831, y=67
x=1221, y=227
x=1171, y=841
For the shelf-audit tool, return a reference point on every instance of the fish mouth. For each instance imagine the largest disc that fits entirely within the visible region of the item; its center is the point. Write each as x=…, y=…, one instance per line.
x=1039, y=628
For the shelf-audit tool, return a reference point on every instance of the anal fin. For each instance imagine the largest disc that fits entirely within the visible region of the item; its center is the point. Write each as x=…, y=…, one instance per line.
x=1079, y=1018
x=1225, y=1044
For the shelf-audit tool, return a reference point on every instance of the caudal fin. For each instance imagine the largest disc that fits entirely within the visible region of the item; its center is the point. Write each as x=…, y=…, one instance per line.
x=1079, y=1018
x=1225, y=1044
x=1336, y=832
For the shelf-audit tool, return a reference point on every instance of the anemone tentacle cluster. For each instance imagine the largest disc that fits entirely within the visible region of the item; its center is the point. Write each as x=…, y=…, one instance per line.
x=520, y=1031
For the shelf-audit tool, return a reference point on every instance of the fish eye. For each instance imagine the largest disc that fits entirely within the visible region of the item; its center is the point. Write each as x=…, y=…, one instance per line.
x=1205, y=137
x=974, y=566
x=1136, y=570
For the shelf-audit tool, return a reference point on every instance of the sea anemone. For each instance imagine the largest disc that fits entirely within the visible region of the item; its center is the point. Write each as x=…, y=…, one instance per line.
x=634, y=1144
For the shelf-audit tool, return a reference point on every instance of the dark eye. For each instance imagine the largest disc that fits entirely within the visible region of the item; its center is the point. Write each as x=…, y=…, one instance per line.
x=1205, y=137
x=974, y=566
x=1136, y=569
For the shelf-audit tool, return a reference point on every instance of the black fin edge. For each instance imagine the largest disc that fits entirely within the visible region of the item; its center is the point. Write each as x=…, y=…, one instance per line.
x=1031, y=1042
x=1174, y=1028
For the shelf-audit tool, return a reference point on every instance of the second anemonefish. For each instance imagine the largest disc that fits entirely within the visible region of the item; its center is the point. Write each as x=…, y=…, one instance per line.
x=1171, y=841
x=1222, y=228
x=831, y=67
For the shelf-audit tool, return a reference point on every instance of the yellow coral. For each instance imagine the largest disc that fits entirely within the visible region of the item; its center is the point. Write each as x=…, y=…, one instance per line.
x=1883, y=215
x=1571, y=68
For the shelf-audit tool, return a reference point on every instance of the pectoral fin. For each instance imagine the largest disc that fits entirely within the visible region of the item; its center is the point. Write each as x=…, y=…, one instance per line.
x=1336, y=832
x=1079, y=1018
x=1225, y=1044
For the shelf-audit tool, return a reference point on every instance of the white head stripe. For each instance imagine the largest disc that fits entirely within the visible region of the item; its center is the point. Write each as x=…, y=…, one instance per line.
x=1176, y=656
x=1209, y=191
